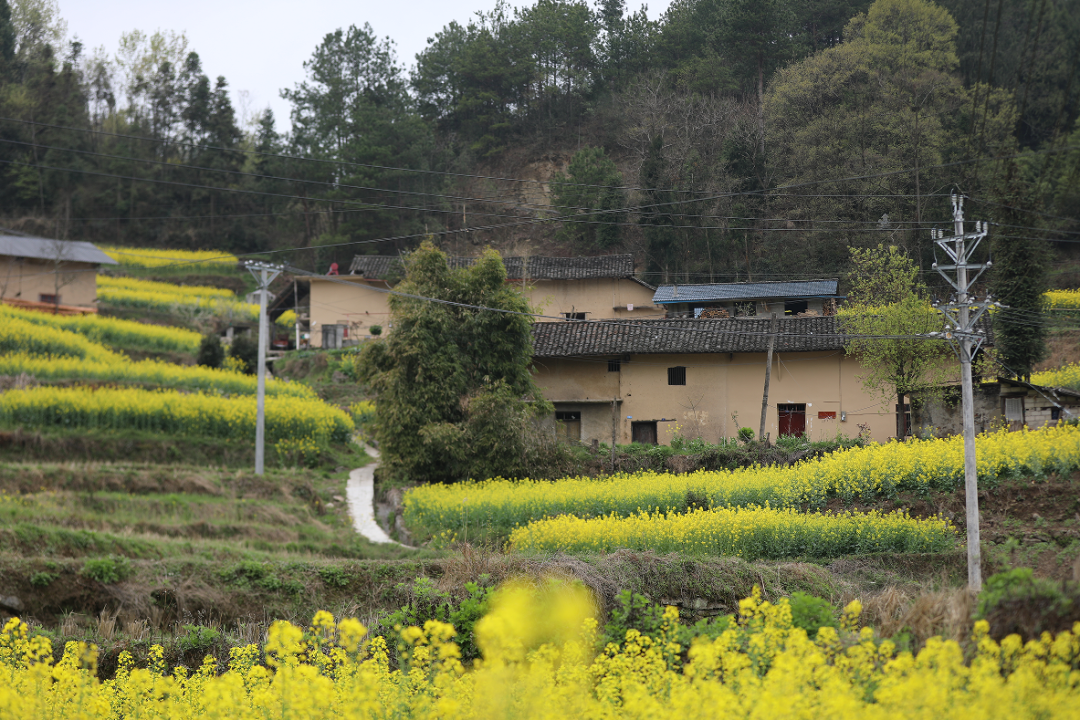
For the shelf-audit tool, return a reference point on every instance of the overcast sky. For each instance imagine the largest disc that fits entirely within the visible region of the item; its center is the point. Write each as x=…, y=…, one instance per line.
x=260, y=47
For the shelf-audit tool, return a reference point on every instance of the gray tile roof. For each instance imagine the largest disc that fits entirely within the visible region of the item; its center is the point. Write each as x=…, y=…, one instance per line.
x=606, y=337
x=46, y=249
x=718, y=292
x=535, y=268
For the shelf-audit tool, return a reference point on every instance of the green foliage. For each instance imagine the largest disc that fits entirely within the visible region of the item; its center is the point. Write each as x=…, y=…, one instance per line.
x=746, y=434
x=812, y=613
x=590, y=190
x=335, y=577
x=452, y=384
x=197, y=638
x=1018, y=279
x=245, y=349
x=107, y=570
x=211, y=353
x=375, y=330
x=1019, y=584
x=634, y=611
x=885, y=300
x=43, y=579
x=427, y=602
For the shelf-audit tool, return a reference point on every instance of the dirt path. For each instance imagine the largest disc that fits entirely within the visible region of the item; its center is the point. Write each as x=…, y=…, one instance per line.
x=360, y=493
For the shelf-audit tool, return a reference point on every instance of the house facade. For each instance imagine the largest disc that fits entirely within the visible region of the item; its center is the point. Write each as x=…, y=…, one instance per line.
x=42, y=272
x=749, y=299
x=560, y=288
x=647, y=381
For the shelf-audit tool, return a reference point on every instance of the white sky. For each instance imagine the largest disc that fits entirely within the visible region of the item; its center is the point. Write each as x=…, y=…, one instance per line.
x=260, y=47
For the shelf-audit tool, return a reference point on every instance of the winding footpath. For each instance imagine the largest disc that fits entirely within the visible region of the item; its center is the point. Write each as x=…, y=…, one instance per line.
x=360, y=494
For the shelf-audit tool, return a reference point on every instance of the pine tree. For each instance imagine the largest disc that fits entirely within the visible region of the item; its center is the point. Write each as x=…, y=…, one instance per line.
x=1018, y=278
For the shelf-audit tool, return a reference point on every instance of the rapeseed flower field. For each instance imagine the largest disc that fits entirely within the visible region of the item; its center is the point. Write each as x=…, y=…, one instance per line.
x=109, y=331
x=166, y=297
x=540, y=660
x=173, y=412
x=498, y=506
x=750, y=533
x=119, y=369
x=158, y=258
x=52, y=353
x=1063, y=299
x=1066, y=376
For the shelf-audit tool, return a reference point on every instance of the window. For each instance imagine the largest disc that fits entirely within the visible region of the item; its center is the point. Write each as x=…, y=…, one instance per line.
x=574, y=316
x=614, y=365
x=1014, y=409
x=676, y=376
x=568, y=425
x=1055, y=413
x=45, y=298
x=794, y=307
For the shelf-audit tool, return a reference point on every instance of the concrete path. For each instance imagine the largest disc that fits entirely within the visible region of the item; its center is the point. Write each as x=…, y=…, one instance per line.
x=360, y=493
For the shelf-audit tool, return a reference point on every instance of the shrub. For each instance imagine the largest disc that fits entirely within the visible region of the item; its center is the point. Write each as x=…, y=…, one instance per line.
x=107, y=570
x=210, y=354
x=811, y=613
x=245, y=349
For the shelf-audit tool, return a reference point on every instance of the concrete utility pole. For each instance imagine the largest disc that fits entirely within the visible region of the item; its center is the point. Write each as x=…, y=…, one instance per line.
x=264, y=275
x=962, y=316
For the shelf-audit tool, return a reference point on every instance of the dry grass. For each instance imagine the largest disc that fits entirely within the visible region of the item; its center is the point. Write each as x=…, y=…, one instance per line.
x=947, y=613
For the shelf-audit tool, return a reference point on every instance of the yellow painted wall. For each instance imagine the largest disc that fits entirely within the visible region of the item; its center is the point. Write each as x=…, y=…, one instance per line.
x=717, y=386
x=28, y=279
x=600, y=299
x=354, y=303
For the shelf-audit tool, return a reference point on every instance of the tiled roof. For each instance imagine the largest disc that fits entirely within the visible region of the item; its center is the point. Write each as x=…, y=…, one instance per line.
x=714, y=292
x=607, y=337
x=534, y=268
x=52, y=250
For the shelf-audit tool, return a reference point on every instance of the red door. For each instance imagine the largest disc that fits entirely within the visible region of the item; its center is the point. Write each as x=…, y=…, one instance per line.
x=792, y=419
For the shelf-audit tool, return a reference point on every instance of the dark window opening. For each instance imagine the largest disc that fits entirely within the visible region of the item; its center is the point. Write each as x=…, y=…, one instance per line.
x=676, y=376
x=643, y=432
x=568, y=425
x=745, y=309
x=574, y=316
x=614, y=365
x=1055, y=413
x=794, y=307
x=792, y=419
x=45, y=298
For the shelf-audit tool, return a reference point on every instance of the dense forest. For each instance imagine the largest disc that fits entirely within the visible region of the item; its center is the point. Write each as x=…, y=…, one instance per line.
x=729, y=139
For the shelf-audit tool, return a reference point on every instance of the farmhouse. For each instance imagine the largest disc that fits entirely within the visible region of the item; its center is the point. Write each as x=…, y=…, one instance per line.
x=345, y=307
x=59, y=275
x=749, y=299
x=647, y=380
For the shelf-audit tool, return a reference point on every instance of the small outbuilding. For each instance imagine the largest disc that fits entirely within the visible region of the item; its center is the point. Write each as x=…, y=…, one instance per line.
x=59, y=275
x=1000, y=403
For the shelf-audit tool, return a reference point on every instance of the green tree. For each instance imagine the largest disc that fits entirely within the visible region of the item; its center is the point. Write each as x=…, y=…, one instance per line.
x=454, y=393
x=889, y=98
x=590, y=189
x=886, y=298
x=1018, y=278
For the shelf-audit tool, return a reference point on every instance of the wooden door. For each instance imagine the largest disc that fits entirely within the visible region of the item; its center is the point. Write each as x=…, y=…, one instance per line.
x=643, y=432
x=792, y=418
